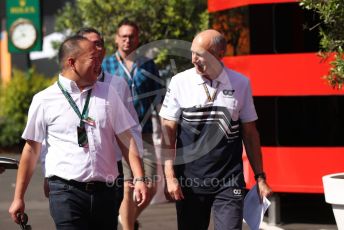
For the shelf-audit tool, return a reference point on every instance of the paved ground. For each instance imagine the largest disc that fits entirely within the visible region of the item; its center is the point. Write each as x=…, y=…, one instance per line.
x=299, y=212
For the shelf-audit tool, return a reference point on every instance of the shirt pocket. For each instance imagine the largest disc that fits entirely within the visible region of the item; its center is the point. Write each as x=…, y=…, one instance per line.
x=100, y=115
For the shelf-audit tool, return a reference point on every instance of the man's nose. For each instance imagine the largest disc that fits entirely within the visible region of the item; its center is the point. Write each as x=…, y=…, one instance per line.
x=194, y=58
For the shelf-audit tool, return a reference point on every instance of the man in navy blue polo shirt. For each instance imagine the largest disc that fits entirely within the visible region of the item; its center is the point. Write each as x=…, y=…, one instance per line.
x=207, y=113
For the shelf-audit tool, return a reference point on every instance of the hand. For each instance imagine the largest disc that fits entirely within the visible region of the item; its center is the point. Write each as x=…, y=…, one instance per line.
x=263, y=189
x=46, y=187
x=17, y=206
x=173, y=190
x=140, y=193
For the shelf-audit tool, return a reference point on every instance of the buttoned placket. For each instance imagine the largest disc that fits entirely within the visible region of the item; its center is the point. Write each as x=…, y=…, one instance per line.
x=90, y=132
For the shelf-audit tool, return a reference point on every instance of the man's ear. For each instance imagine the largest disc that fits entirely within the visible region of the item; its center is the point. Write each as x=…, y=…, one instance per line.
x=221, y=54
x=71, y=62
x=115, y=39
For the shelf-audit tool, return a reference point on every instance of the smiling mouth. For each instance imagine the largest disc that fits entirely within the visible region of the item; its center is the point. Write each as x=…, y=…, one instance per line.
x=200, y=66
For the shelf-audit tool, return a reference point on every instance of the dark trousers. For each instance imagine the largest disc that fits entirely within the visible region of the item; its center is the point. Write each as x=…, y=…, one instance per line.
x=193, y=213
x=73, y=207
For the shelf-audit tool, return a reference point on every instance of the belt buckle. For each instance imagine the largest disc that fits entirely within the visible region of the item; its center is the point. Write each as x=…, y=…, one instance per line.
x=90, y=186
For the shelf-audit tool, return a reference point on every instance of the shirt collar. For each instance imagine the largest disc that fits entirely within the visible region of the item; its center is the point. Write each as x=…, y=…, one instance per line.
x=222, y=78
x=70, y=86
x=138, y=60
x=101, y=76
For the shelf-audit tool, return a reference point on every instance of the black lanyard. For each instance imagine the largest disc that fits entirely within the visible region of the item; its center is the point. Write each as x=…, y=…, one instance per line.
x=74, y=106
x=210, y=98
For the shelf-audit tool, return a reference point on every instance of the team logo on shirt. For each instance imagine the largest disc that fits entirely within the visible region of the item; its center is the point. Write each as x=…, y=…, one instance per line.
x=237, y=192
x=228, y=92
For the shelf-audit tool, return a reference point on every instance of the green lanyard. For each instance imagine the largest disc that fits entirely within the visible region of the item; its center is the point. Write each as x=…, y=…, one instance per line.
x=74, y=106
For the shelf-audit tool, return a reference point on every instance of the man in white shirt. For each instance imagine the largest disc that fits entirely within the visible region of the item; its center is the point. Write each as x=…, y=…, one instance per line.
x=122, y=88
x=212, y=108
x=80, y=119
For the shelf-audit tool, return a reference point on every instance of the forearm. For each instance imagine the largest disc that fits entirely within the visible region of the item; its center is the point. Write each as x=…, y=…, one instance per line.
x=253, y=150
x=135, y=160
x=168, y=146
x=130, y=153
x=26, y=168
x=254, y=154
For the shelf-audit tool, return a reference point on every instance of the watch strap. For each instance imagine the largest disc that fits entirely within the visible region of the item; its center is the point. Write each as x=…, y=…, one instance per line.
x=142, y=179
x=260, y=175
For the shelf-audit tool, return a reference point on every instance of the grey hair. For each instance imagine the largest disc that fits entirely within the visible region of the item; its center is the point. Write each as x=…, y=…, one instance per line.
x=218, y=44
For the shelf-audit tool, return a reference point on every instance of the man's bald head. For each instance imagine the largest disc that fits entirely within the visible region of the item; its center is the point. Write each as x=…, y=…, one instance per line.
x=79, y=60
x=208, y=48
x=212, y=41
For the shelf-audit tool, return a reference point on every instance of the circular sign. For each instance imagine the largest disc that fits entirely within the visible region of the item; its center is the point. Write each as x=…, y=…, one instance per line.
x=23, y=34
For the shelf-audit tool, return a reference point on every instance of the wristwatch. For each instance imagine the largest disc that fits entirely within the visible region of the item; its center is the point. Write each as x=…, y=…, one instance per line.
x=260, y=175
x=142, y=178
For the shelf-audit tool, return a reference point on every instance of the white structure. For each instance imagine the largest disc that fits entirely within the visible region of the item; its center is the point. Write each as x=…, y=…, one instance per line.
x=48, y=50
x=334, y=190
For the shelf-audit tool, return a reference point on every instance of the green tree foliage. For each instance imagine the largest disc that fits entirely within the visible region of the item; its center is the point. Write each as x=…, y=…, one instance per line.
x=15, y=100
x=157, y=19
x=331, y=13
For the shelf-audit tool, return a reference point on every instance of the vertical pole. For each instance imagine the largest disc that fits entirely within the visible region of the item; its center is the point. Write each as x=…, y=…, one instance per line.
x=275, y=210
x=5, y=56
x=29, y=63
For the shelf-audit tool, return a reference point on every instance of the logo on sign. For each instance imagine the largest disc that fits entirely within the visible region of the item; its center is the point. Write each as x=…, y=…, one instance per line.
x=22, y=2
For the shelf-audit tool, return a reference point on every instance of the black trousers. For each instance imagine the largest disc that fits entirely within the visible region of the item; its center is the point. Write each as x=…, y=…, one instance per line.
x=82, y=206
x=193, y=213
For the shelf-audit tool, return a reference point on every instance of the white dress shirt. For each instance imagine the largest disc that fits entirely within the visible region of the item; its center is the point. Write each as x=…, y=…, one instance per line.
x=122, y=88
x=51, y=118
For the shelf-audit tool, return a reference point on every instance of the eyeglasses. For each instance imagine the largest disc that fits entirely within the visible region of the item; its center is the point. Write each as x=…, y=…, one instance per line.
x=124, y=37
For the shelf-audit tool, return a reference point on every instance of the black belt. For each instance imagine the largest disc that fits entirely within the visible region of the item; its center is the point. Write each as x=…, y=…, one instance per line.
x=91, y=186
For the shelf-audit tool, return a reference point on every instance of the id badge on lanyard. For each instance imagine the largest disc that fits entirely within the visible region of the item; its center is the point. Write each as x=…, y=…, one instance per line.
x=81, y=130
